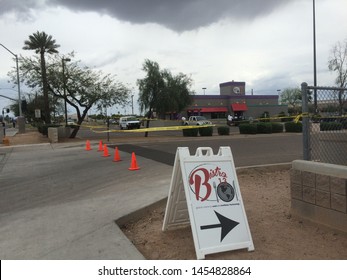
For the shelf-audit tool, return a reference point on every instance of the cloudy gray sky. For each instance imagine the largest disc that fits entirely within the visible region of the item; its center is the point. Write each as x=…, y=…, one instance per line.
x=266, y=43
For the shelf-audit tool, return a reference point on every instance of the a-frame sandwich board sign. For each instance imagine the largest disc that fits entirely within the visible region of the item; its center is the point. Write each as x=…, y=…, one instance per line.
x=205, y=192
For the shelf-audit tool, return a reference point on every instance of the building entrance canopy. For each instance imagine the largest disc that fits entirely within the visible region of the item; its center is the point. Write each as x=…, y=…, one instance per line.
x=209, y=110
x=237, y=107
x=214, y=110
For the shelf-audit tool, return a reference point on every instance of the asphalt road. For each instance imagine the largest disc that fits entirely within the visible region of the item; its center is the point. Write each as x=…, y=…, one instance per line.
x=60, y=202
x=247, y=150
x=45, y=175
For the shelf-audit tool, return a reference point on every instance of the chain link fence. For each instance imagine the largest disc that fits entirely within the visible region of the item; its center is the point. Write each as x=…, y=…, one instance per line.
x=324, y=124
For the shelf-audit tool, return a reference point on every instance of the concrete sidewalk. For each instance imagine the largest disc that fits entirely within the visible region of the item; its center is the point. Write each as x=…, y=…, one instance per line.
x=10, y=132
x=60, y=202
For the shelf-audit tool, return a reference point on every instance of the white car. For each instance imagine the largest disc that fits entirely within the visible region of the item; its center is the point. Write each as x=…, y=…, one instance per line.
x=70, y=122
x=129, y=122
x=197, y=120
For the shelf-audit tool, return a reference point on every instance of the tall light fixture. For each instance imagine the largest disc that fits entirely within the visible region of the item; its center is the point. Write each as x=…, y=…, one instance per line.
x=314, y=57
x=18, y=85
x=204, y=89
x=132, y=104
x=63, y=60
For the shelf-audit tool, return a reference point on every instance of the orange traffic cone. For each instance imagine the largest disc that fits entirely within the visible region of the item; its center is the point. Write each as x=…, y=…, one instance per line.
x=88, y=148
x=101, y=148
x=133, y=165
x=106, y=153
x=116, y=155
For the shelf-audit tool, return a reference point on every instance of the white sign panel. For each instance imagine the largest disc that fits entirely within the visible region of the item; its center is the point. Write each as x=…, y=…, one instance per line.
x=211, y=201
x=37, y=113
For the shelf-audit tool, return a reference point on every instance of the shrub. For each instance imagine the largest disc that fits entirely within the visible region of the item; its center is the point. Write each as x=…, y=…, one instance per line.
x=344, y=124
x=223, y=130
x=282, y=116
x=277, y=127
x=263, y=127
x=190, y=132
x=316, y=118
x=325, y=126
x=293, y=127
x=248, y=128
x=287, y=119
x=206, y=131
x=265, y=117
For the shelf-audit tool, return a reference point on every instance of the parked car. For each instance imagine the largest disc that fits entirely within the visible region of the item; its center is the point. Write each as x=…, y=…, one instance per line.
x=70, y=122
x=129, y=122
x=197, y=120
x=114, y=121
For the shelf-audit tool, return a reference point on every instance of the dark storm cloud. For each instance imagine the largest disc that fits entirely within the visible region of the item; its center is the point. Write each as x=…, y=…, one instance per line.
x=179, y=15
x=20, y=7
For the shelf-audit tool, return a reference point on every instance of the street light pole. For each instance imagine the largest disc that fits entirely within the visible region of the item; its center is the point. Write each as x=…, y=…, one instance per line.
x=314, y=58
x=18, y=85
x=132, y=104
x=204, y=89
x=63, y=60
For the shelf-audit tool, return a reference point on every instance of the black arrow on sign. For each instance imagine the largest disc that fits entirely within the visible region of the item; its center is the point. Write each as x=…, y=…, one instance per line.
x=225, y=223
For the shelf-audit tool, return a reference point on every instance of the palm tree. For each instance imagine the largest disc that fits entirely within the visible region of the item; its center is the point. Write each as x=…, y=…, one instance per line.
x=42, y=43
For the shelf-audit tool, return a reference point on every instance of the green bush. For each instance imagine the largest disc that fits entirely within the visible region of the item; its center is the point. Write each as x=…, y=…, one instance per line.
x=190, y=132
x=265, y=117
x=316, y=118
x=237, y=123
x=223, y=130
x=206, y=131
x=281, y=114
x=248, y=128
x=325, y=126
x=264, y=127
x=287, y=119
x=277, y=127
x=293, y=127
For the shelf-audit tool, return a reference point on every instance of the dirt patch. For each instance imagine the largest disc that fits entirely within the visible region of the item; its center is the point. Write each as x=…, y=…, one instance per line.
x=276, y=233
x=29, y=137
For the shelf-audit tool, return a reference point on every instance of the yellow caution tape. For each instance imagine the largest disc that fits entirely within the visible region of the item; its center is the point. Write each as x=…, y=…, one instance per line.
x=151, y=129
x=101, y=128
x=297, y=118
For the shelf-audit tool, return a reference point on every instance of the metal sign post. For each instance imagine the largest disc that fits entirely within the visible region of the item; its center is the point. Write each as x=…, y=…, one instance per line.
x=205, y=192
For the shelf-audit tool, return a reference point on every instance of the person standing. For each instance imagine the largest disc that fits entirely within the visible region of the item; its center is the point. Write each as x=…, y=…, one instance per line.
x=229, y=120
x=183, y=120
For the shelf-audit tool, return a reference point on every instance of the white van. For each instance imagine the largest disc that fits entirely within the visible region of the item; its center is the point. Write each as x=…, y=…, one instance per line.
x=129, y=122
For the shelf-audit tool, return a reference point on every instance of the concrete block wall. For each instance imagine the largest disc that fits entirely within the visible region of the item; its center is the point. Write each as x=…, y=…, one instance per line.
x=319, y=192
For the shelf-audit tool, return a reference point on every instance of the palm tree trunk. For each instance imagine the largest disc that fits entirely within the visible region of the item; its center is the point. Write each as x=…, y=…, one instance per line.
x=45, y=89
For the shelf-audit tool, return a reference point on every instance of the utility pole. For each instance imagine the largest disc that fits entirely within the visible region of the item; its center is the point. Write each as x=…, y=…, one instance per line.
x=18, y=84
x=132, y=104
x=314, y=58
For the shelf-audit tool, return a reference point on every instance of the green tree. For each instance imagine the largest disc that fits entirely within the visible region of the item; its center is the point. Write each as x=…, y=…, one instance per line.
x=338, y=63
x=35, y=100
x=163, y=92
x=291, y=97
x=85, y=87
x=177, y=92
x=42, y=43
